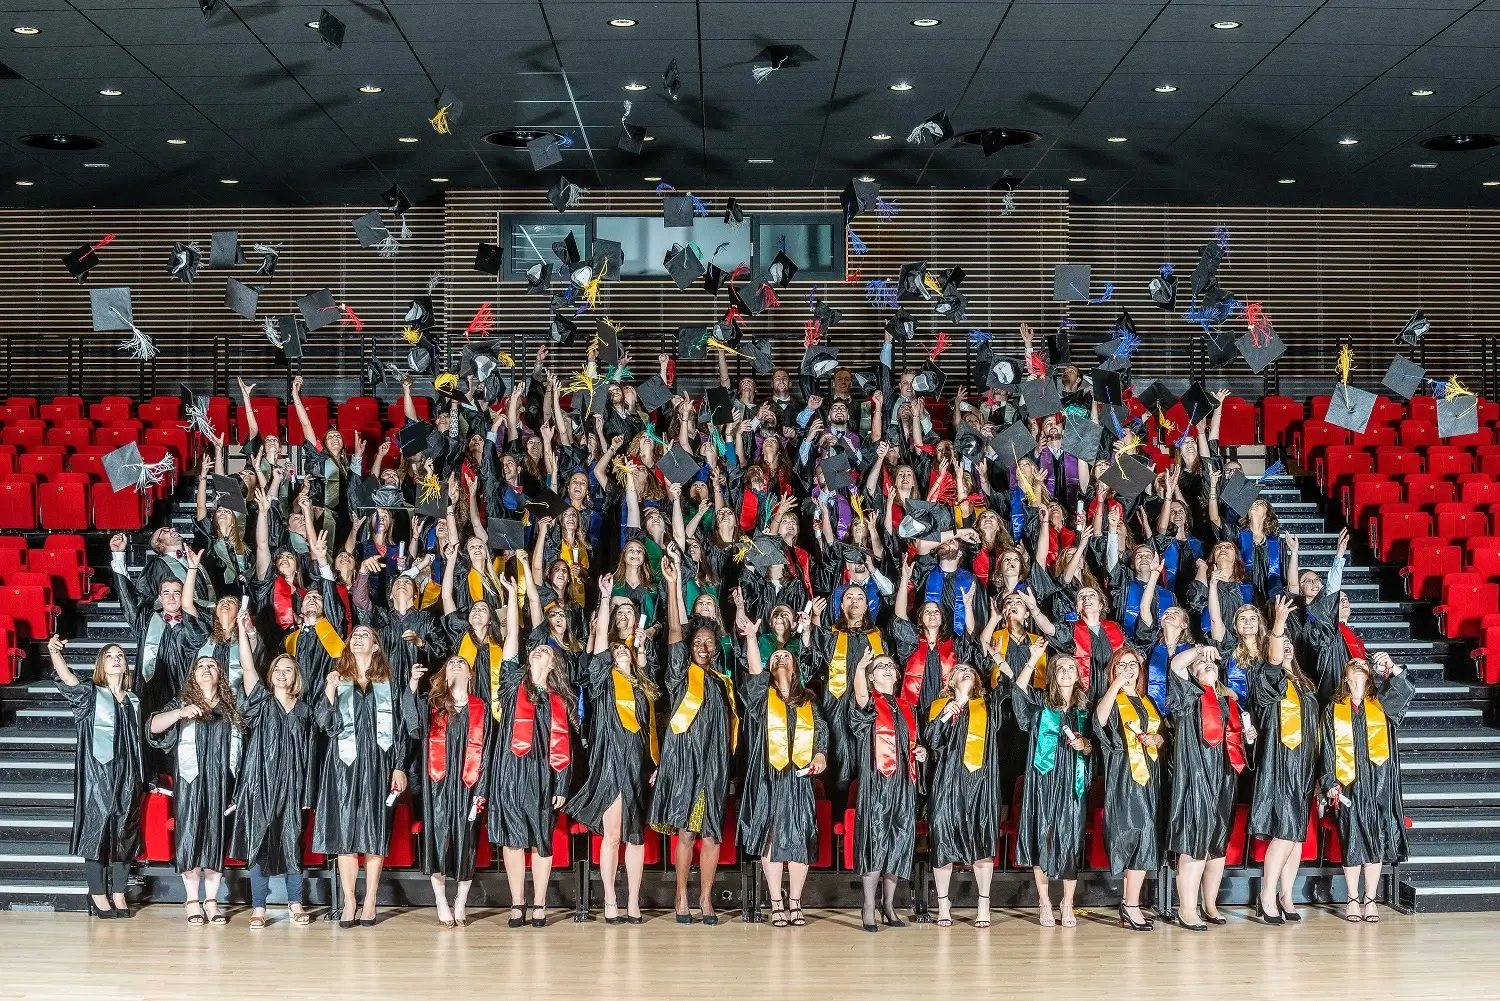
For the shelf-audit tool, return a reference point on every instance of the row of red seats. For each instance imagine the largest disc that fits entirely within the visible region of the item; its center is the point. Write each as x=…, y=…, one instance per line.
x=1312, y=437
x=1369, y=493
x=1334, y=464
x=71, y=502
x=1397, y=525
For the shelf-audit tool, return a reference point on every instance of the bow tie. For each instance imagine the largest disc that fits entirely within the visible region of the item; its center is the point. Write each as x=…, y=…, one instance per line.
x=172, y=619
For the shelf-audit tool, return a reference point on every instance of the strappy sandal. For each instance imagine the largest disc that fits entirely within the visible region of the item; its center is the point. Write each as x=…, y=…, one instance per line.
x=944, y=922
x=215, y=918
x=794, y=906
x=1354, y=917
x=1371, y=902
x=982, y=922
x=257, y=921
x=778, y=914
x=197, y=920
x=301, y=918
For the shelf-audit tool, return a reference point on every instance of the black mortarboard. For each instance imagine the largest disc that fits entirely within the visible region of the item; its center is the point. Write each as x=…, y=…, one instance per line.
x=820, y=360
x=544, y=151
x=720, y=405
x=911, y=283
x=432, y=504
x=1058, y=349
x=395, y=200
x=684, y=265
x=420, y=357
x=1220, y=346
x=632, y=138
x=122, y=467
x=1163, y=289
x=607, y=259
x=765, y=551
x=838, y=473
x=539, y=279
x=1083, y=439
x=653, y=393
x=1260, y=349
x=229, y=494
x=937, y=127
x=1042, y=397
x=1206, y=274
x=1456, y=416
x=371, y=230
x=953, y=305
x=564, y=194
x=241, y=299
x=759, y=351
x=1238, y=493
x=449, y=100
x=713, y=278
x=859, y=196
x=417, y=437
x=547, y=504
x=1413, y=330
x=566, y=251
x=81, y=261
x=1109, y=386
x=487, y=258
x=676, y=210
x=225, y=251
x=692, y=343
x=1070, y=282
x=1157, y=397
x=678, y=465
x=1014, y=443
x=734, y=212
x=185, y=261
x=826, y=315
x=419, y=313
x=781, y=270
x=318, y=309
x=270, y=254
x=1129, y=476
x=111, y=308
x=866, y=380
x=750, y=298
x=923, y=521
x=1350, y=408
x=902, y=327
x=929, y=380
x=1404, y=377
x=967, y=442
x=562, y=330
x=374, y=373
x=507, y=535
x=293, y=333
x=331, y=30
x=609, y=341
x=1004, y=372
x=1198, y=404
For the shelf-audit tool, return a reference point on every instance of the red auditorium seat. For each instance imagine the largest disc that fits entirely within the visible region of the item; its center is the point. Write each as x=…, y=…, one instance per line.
x=13, y=559
x=267, y=415
x=1337, y=466
x=562, y=844
x=1458, y=522
x=24, y=434
x=30, y=606
x=62, y=408
x=1427, y=490
x=1479, y=492
x=89, y=461
x=157, y=826
x=17, y=504
x=110, y=409
x=1309, y=441
x=72, y=437
x=395, y=414
x=1430, y=560
x=65, y=566
x=1484, y=436
x=115, y=436
x=64, y=506
x=1419, y=432
x=1424, y=408
x=219, y=408
x=27, y=404
x=652, y=845
x=1363, y=499
x=728, y=854
x=359, y=413
x=43, y=464
x=1239, y=424
x=1448, y=460
x=115, y=511
x=157, y=414
x=1466, y=601
x=1318, y=407
x=318, y=408
x=1309, y=843
x=1487, y=654
x=11, y=653
x=1392, y=532
x=175, y=440
x=1375, y=437
x=1387, y=411
x=1485, y=563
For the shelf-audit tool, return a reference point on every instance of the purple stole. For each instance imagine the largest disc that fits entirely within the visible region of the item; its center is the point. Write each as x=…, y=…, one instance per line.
x=1067, y=495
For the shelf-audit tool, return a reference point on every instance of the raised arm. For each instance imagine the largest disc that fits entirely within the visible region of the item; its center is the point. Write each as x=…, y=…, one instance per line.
x=1215, y=613
x=252, y=427
x=511, y=648
x=190, y=585
x=600, y=641
x=450, y=557
x=55, y=646
x=750, y=632
x=1276, y=642
x=679, y=530
x=539, y=553
x=262, y=535
x=669, y=573
x=302, y=418
x=245, y=628
x=408, y=406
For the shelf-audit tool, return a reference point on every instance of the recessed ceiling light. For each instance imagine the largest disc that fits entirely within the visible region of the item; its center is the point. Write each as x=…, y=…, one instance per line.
x=1491, y=184
x=900, y=88
x=651, y=179
x=1165, y=88
x=635, y=88
x=1422, y=92
x=24, y=30
x=865, y=179
x=370, y=88
x=313, y=25
x=926, y=22
x=881, y=137
x=1077, y=180
x=760, y=160
x=1226, y=25
x=1424, y=166
x=96, y=165
x=406, y=139
x=1349, y=141
x=176, y=142
x=23, y=184
x=110, y=92
x=438, y=180
x=228, y=180
x=1287, y=180
x=623, y=22
x=1117, y=139
x=649, y=139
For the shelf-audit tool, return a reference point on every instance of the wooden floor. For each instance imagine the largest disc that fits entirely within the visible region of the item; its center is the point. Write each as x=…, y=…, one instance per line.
x=157, y=956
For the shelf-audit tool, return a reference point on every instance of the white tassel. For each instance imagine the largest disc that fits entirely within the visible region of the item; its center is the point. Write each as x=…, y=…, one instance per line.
x=628, y=108
x=138, y=344
x=198, y=421
x=433, y=281
x=389, y=247
x=926, y=128
x=575, y=195
x=761, y=72
x=272, y=329
x=405, y=229
x=150, y=474
x=1009, y=204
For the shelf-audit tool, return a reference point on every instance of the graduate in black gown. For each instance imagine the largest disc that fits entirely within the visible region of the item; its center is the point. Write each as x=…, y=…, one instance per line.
x=275, y=786
x=692, y=782
x=1128, y=725
x=166, y=639
x=837, y=644
x=963, y=808
x=469, y=624
x=360, y=712
x=202, y=732
x=533, y=760
x=1361, y=774
x=412, y=635
x=624, y=749
x=454, y=737
x=786, y=744
x=1284, y=705
x=883, y=742
x=109, y=780
x=1210, y=734
x=926, y=649
x=1049, y=837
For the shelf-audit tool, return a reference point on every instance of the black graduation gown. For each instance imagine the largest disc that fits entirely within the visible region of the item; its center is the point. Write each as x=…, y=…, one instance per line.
x=391, y=624
x=225, y=569
x=316, y=662
x=174, y=656
x=885, y=809
x=906, y=638
x=1320, y=642
x=1203, y=782
x=1231, y=597
x=352, y=816
x=1372, y=828
x=843, y=757
x=778, y=815
x=521, y=787
x=1099, y=654
x=620, y=762
x=456, y=625
x=450, y=835
x=107, y=797
x=1050, y=834
x=200, y=834
x=695, y=763
x=274, y=783
x=1284, y=777
x=963, y=807
x=1132, y=812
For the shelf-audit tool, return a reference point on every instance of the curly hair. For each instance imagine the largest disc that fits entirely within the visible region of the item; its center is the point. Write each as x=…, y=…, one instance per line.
x=949, y=691
x=439, y=694
x=1272, y=525
x=223, y=703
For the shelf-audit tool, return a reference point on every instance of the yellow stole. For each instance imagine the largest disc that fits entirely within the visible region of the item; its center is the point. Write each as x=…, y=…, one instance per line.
x=328, y=636
x=577, y=558
x=1377, y=737
x=838, y=668
x=692, y=701
x=1290, y=710
x=979, y=721
x=801, y=750
x=625, y=709
x=1130, y=725
x=476, y=585
x=468, y=651
x=1002, y=640
x=432, y=593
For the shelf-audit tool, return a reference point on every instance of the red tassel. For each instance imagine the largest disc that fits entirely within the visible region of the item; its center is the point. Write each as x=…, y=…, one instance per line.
x=733, y=316
x=104, y=242
x=1254, y=313
x=671, y=371
x=351, y=317
x=939, y=347
x=739, y=272
x=853, y=276
x=768, y=298
x=483, y=322
x=1035, y=365
x=812, y=330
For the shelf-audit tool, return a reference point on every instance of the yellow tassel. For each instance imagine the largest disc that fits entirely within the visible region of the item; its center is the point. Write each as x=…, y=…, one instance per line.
x=1161, y=420
x=621, y=468
x=1346, y=362
x=1027, y=490
x=411, y=335
x=591, y=287
x=742, y=550
x=445, y=383
x=932, y=284
x=1129, y=445
x=439, y=121
x=713, y=343
x=581, y=383
x=859, y=507
x=1456, y=389
x=430, y=488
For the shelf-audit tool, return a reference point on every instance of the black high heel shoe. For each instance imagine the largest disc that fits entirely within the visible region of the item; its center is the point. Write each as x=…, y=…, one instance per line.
x=1127, y=922
x=538, y=917
x=1270, y=919
x=1220, y=920
x=519, y=922
x=1183, y=924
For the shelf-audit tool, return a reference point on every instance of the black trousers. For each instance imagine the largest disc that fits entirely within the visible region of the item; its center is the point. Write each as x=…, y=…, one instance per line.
x=105, y=876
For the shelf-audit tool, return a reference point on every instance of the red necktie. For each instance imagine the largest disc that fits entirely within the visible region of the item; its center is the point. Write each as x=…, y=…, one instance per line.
x=1354, y=643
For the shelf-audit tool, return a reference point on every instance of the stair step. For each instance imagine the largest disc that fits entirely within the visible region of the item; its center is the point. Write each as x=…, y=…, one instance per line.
x=43, y=739
x=1434, y=891
x=29, y=792
x=1453, y=794
x=1418, y=737
x=30, y=894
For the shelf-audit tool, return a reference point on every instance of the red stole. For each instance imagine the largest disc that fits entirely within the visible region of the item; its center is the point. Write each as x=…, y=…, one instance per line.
x=981, y=567
x=285, y=599
x=799, y=560
x=749, y=511
x=1216, y=727
x=437, y=744
x=1354, y=643
x=1083, y=646
x=523, y=730
x=916, y=668
x=885, y=736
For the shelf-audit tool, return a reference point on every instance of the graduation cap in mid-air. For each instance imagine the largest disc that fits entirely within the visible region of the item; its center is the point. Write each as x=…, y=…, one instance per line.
x=371, y=231
x=924, y=521
x=331, y=30
x=838, y=471
x=125, y=469
x=544, y=151
x=678, y=465
x=1350, y=407
x=506, y=535
x=820, y=360
x=184, y=262
x=1014, y=443
x=1083, y=439
x=1238, y=493
x=1042, y=397
x=1163, y=288
x=1070, y=282
x=1404, y=377
x=859, y=196
x=684, y=265
x=241, y=299
x=110, y=309
x=487, y=258
x=1129, y=476
x=86, y=258
x=564, y=194
x=653, y=394
x=318, y=309
x=225, y=250
x=1414, y=330
x=1260, y=348
x=765, y=552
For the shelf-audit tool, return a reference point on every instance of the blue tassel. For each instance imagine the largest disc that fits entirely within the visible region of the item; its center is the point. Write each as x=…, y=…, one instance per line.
x=1109, y=292
x=720, y=249
x=1129, y=341
x=663, y=188
x=1221, y=234
x=1166, y=271
x=885, y=209
x=980, y=336
x=781, y=244
x=856, y=244
x=1065, y=325
x=1114, y=422
x=700, y=207
x=1275, y=469
x=881, y=292
x=1439, y=388
x=568, y=293
x=566, y=140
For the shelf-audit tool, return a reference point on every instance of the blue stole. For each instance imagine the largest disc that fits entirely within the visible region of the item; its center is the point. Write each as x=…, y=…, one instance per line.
x=1273, y=559
x=1247, y=597
x=963, y=582
x=1133, y=596
x=1236, y=680
x=1158, y=666
x=1017, y=513
x=1172, y=555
